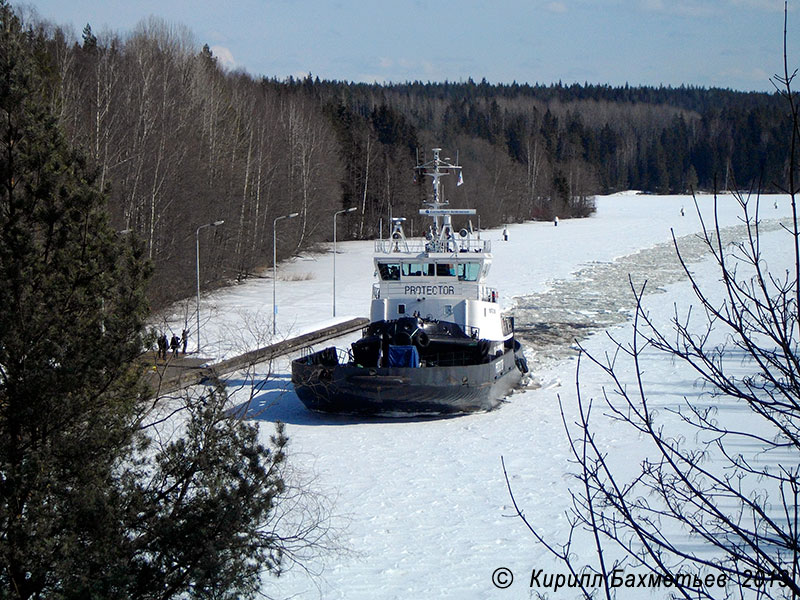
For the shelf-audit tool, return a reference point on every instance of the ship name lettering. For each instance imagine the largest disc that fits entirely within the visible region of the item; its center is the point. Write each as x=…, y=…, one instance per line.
x=430, y=290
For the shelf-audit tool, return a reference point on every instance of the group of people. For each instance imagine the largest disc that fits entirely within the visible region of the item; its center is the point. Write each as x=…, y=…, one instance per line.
x=175, y=344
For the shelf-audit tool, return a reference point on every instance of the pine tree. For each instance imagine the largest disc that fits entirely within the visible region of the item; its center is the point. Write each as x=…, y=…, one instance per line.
x=71, y=307
x=89, y=39
x=90, y=507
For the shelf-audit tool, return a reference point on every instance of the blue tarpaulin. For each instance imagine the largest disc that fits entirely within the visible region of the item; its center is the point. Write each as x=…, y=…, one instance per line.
x=403, y=356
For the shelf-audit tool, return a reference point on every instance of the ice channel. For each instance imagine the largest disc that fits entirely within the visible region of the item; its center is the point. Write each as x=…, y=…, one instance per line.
x=599, y=295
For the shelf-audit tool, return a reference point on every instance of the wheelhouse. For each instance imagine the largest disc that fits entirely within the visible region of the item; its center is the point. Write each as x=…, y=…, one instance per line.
x=413, y=269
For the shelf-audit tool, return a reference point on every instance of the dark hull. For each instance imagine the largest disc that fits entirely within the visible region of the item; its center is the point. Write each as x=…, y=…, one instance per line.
x=401, y=391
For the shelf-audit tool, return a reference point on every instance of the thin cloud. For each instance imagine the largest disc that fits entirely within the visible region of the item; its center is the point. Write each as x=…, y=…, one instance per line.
x=682, y=8
x=400, y=69
x=556, y=7
x=752, y=75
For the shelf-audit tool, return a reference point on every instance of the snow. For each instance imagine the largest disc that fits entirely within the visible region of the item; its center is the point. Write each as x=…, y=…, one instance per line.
x=422, y=504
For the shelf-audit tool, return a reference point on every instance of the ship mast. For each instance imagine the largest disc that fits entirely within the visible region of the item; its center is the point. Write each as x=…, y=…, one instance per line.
x=442, y=222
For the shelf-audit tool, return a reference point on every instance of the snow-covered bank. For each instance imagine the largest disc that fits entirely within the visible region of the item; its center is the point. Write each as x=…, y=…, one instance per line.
x=238, y=318
x=427, y=510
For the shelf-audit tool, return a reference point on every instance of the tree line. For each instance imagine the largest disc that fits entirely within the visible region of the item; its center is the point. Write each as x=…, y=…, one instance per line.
x=182, y=142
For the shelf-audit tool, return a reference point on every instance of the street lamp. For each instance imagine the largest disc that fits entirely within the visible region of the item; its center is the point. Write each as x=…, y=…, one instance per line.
x=275, y=267
x=197, y=248
x=338, y=212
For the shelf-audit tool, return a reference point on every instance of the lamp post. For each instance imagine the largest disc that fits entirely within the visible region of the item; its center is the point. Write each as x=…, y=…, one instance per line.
x=197, y=249
x=275, y=267
x=338, y=212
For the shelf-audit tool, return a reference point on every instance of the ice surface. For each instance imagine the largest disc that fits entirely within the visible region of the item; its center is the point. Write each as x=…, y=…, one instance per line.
x=423, y=503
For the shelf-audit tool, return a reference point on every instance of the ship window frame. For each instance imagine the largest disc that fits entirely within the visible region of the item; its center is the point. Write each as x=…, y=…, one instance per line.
x=389, y=271
x=445, y=270
x=417, y=269
x=472, y=273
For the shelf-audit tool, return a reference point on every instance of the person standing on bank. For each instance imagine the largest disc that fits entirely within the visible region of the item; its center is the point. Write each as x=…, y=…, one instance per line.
x=162, y=346
x=184, y=339
x=175, y=344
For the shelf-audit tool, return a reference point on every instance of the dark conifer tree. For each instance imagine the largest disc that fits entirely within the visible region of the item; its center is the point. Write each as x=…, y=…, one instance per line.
x=89, y=39
x=90, y=507
x=71, y=309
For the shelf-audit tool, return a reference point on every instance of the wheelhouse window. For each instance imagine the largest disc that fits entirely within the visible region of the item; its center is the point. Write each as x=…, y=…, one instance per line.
x=389, y=271
x=469, y=271
x=445, y=270
x=417, y=269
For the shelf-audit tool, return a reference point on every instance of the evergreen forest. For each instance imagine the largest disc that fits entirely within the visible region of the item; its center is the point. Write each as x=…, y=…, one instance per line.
x=181, y=142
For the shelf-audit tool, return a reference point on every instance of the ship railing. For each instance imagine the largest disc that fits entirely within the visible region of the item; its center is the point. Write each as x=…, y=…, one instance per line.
x=344, y=355
x=402, y=246
x=452, y=245
x=326, y=356
x=488, y=294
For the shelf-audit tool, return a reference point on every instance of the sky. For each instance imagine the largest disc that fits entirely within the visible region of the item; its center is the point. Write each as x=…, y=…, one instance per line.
x=736, y=44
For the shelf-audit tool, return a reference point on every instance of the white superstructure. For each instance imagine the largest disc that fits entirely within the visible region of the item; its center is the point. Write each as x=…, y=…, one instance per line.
x=440, y=278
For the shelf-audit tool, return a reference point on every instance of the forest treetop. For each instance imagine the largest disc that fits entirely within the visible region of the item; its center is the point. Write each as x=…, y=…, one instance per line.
x=182, y=142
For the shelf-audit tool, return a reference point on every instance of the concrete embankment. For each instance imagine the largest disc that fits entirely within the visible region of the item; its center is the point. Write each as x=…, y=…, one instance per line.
x=179, y=371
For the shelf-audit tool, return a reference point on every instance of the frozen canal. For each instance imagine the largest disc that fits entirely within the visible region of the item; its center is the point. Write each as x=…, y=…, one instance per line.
x=600, y=294
x=422, y=506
